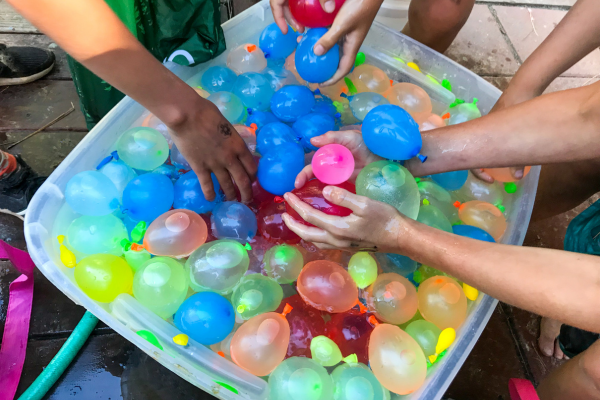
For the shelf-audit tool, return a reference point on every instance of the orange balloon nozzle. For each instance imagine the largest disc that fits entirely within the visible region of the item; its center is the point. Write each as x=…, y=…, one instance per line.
x=391, y=82
x=251, y=48
x=137, y=247
x=446, y=116
x=253, y=127
x=287, y=309
x=361, y=306
x=278, y=199
x=221, y=354
x=457, y=204
x=373, y=320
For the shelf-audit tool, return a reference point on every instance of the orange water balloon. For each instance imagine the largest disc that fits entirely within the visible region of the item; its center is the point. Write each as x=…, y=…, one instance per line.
x=485, y=216
x=327, y=286
x=442, y=302
x=392, y=298
x=367, y=78
x=503, y=174
x=176, y=233
x=410, y=97
x=432, y=121
x=260, y=344
x=334, y=92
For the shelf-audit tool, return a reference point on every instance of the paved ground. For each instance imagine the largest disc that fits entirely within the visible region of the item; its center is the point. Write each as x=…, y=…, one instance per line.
x=494, y=43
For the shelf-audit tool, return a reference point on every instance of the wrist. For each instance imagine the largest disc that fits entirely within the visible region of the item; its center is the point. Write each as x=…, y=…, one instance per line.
x=182, y=108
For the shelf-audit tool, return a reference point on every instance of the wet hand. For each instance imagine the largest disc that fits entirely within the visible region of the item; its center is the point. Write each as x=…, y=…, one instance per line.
x=283, y=16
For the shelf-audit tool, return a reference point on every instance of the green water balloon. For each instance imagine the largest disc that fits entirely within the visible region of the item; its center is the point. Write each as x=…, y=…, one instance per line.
x=362, y=267
x=300, y=378
x=355, y=381
x=425, y=333
x=283, y=263
x=256, y=294
x=325, y=351
x=432, y=216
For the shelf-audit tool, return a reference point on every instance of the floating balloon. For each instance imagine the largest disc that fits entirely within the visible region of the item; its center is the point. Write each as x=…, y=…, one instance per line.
x=260, y=195
x=351, y=331
x=430, y=122
x=396, y=359
x=283, y=263
x=119, y=173
x=178, y=159
x=254, y=90
x=411, y=98
x=362, y=103
x=439, y=197
x=390, y=132
x=103, y=277
x=476, y=189
x=233, y=220
x=368, y=78
x=291, y=102
x=300, y=378
x=327, y=286
x=453, y=180
x=442, y=302
x=355, y=381
x=504, y=174
x=397, y=263
x=260, y=344
x=310, y=13
x=392, y=298
x=310, y=125
x=256, y=294
x=206, y=317
x=136, y=259
x=189, y=195
x=97, y=234
x=363, y=269
x=260, y=119
x=142, y=148
x=152, y=121
x=324, y=351
x=218, y=79
x=246, y=58
x=272, y=135
x=311, y=67
x=148, y=196
x=324, y=105
x=279, y=77
x=425, y=333
x=92, y=193
x=161, y=285
x=335, y=91
x=170, y=171
x=391, y=183
x=485, y=216
x=472, y=232
x=229, y=105
x=278, y=168
x=312, y=194
x=464, y=112
x=305, y=322
x=275, y=44
x=176, y=233
x=333, y=164
x=271, y=225
x=432, y=216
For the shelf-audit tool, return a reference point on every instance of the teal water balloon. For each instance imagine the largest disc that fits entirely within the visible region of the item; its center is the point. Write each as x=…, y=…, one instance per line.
x=300, y=378
x=432, y=216
x=279, y=77
x=218, y=79
x=136, y=259
x=233, y=220
x=92, y=193
x=170, y=171
x=148, y=196
x=97, y=234
x=402, y=265
x=119, y=173
x=143, y=148
x=425, y=333
x=439, y=197
x=229, y=105
x=362, y=103
x=355, y=381
x=452, y=180
x=256, y=294
x=254, y=89
x=283, y=263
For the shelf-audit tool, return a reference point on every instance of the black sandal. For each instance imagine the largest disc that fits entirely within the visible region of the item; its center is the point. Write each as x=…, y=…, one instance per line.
x=19, y=65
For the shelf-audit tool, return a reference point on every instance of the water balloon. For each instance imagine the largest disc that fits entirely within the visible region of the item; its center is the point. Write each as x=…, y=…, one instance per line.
x=392, y=298
x=312, y=194
x=233, y=220
x=485, y=216
x=278, y=168
x=103, y=277
x=218, y=79
x=142, y=148
x=362, y=267
x=275, y=44
x=206, y=317
x=313, y=68
x=327, y=286
x=291, y=102
x=442, y=302
x=256, y=294
x=189, y=195
x=246, y=58
x=390, y=132
x=92, y=193
x=229, y=105
x=300, y=378
x=283, y=263
x=333, y=164
x=176, y=233
x=310, y=125
x=148, y=196
x=254, y=90
x=97, y=234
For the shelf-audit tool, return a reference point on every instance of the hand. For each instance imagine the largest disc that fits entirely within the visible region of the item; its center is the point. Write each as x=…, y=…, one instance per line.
x=282, y=13
x=353, y=141
x=372, y=226
x=210, y=144
x=351, y=26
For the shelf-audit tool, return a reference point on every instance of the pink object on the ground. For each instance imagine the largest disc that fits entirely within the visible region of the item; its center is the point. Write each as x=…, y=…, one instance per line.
x=16, y=328
x=333, y=164
x=521, y=389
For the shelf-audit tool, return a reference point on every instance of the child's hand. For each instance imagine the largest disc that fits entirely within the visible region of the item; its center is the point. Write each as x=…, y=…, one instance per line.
x=282, y=13
x=210, y=144
x=351, y=26
x=372, y=226
x=351, y=140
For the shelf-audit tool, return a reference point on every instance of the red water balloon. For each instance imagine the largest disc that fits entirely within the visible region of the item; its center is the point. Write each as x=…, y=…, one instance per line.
x=305, y=322
x=310, y=13
x=271, y=225
x=351, y=331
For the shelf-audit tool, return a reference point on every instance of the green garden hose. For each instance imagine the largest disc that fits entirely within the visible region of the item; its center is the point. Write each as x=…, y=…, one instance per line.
x=62, y=359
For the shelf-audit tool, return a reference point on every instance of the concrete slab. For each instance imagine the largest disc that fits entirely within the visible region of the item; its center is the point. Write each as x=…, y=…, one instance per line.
x=60, y=70
x=12, y=22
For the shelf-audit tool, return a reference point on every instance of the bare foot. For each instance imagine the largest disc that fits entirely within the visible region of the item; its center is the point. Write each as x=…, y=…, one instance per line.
x=549, y=330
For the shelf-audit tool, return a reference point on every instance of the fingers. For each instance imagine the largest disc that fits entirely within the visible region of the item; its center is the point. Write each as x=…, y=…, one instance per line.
x=328, y=5
x=320, y=237
x=226, y=183
x=315, y=217
x=479, y=174
x=517, y=172
x=304, y=176
x=206, y=184
x=328, y=40
x=291, y=20
x=249, y=163
x=344, y=68
x=243, y=181
x=277, y=6
x=345, y=138
x=344, y=198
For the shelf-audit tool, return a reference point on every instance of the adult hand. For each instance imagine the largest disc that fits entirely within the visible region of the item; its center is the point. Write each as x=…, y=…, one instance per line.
x=210, y=144
x=372, y=226
x=353, y=141
x=283, y=16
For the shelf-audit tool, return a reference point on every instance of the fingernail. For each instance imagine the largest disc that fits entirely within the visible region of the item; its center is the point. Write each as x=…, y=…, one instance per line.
x=329, y=6
x=285, y=196
x=319, y=50
x=327, y=191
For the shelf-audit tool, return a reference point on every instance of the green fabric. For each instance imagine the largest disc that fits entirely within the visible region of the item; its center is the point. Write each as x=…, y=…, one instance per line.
x=189, y=27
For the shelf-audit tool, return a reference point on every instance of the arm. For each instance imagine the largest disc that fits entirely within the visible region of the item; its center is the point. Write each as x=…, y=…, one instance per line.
x=91, y=33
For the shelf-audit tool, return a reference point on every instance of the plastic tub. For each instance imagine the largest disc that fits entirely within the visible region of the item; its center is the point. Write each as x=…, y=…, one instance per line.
x=393, y=13
x=48, y=215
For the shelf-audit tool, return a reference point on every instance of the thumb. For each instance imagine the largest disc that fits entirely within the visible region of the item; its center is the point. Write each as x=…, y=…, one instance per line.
x=347, y=138
x=327, y=41
x=328, y=5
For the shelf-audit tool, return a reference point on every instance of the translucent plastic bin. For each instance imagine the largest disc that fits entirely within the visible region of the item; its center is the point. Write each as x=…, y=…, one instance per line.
x=48, y=215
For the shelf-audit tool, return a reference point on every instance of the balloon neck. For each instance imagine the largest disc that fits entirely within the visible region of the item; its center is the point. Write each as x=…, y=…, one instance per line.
x=267, y=55
x=138, y=231
x=241, y=308
x=373, y=320
x=250, y=111
x=510, y=187
x=337, y=115
x=351, y=359
x=66, y=256
x=248, y=247
x=344, y=95
x=456, y=102
x=221, y=353
x=250, y=48
x=253, y=128
x=278, y=199
x=286, y=310
x=317, y=92
x=500, y=207
x=425, y=202
x=446, y=116
x=113, y=156
x=422, y=158
x=457, y=204
x=361, y=307
x=350, y=84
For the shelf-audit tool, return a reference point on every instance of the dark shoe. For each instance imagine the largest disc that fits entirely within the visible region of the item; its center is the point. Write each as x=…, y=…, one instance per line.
x=19, y=65
x=18, y=187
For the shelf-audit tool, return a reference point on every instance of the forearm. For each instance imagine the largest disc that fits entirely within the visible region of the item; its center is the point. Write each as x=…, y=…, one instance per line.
x=557, y=127
x=558, y=284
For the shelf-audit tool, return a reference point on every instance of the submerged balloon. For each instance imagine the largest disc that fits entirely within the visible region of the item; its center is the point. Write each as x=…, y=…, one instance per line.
x=351, y=331
x=170, y=171
x=254, y=90
x=432, y=216
x=92, y=193
x=234, y=220
x=392, y=298
x=411, y=98
x=363, y=269
x=279, y=77
x=324, y=105
x=432, y=121
x=504, y=174
x=464, y=112
x=103, y=277
x=256, y=294
x=327, y=286
x=452, y=180
x=310, y=13
x=229, y=105
x=312, y=194
x=391, y=183
x=310, y=125
x=356, y=381
x=148, y=196
x=305, y=322
x=442, y=302
x=368, y=78
x=278, y=168
x=119, y=173
x=143, y=148
x=311, y=67
x=324, y=351
x=426, y=334
x=176, y=233
x=390, y=132
x=291, y=102
x=161, y=285
x=260, y=119
x=97, y=234
x=485, y=216
x=271, y=225
x=275, y=44
x=283, y=263
x=248, y=135
x=246, y=58
x=206, y=317
x=300, y=378
x=472, y=232
x=439, y=197
x=218, y=79
x=189, y=195
x=333, y=164
x=272, y=135
x=476, y=189
x=364, y=102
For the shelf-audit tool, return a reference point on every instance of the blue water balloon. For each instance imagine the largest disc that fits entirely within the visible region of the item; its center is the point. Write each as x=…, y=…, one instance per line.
x=218, y=79
x=472, y=232
x=235, y=221
x=325, y=105
x=291, y=102
x=92, y=193
x=278, y=168
x=189, y=195
x=206, y=317
x=313, y=68
x=230, y=105
x=170, y=171
x=390, y=132
x=272, y=135
x=148, y=196
x=279, y=76
x=119, y=173
x=254, y=90
x=260, y=118
x=453, y=180
x=275, y=44
x=397, y=263
x=310, y=125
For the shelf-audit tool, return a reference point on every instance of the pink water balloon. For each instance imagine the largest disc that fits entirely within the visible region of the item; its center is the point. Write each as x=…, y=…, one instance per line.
x=333, y=164
x=176, y=233
x=327, y=286
x=431, y=121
